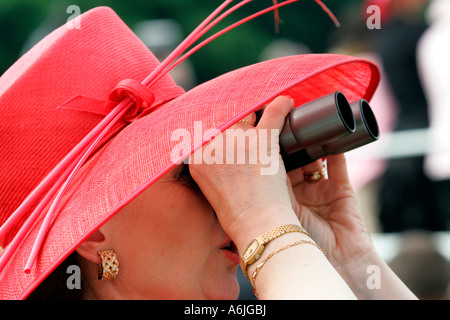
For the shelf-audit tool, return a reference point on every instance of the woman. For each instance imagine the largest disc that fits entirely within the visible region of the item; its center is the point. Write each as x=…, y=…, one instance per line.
x=117, y=200
x=186, y=240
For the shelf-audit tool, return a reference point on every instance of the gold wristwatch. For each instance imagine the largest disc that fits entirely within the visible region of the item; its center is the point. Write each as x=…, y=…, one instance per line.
x=256, y=246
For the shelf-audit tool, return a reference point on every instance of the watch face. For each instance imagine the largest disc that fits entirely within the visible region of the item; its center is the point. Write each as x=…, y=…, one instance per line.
x=251, y=249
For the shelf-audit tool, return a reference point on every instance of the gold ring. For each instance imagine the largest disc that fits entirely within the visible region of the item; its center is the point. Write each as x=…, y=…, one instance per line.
x=247, y=121
x=316, y=175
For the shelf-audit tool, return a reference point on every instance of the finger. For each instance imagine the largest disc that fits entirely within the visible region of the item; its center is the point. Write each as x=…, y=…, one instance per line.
x=337, y=169
x=294, y=202
x=297, y=176
x=314, y=167
x=275, y=113
x=318, y=172
x=248, y=121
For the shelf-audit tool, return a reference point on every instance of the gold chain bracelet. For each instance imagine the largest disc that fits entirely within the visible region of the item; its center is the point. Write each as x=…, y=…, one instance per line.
x=258, y=268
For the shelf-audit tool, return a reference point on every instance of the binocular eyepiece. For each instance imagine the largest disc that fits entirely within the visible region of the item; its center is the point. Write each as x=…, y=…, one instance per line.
x=326, y=126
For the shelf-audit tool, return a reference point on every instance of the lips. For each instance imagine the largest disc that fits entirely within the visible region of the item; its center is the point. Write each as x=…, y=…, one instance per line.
x=230, y=246
x=230, y=250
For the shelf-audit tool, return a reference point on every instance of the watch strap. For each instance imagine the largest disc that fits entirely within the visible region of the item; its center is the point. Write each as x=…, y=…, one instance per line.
x=266, y=238
x=278, y=232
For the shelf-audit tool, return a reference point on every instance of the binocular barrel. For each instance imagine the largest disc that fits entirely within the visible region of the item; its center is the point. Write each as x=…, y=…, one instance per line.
x=326, y=126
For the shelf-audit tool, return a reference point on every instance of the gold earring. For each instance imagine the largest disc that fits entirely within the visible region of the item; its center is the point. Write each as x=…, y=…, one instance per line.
x=108, y=269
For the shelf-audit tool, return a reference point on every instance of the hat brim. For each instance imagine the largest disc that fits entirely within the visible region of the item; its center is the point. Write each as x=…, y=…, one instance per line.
x=142, y=152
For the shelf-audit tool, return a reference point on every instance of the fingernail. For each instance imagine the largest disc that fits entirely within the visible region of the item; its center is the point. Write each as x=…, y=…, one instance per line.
x=287, y=96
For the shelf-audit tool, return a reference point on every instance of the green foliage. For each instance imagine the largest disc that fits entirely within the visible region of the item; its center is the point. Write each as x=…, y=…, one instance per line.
x=303, y=22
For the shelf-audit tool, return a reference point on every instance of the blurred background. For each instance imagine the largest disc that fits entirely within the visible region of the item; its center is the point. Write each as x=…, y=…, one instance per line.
x=403, y=180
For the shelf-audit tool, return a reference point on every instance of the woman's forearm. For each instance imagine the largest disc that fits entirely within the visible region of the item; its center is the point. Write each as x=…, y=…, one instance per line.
x=370, y=277
x=296, y=269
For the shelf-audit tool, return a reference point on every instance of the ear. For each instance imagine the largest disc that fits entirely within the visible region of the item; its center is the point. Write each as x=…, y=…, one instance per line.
x=88, y=249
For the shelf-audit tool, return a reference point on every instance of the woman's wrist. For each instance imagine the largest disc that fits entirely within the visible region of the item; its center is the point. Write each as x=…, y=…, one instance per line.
x=353, y=269
x=257, y=222
x=370, y=277
x=292, y=262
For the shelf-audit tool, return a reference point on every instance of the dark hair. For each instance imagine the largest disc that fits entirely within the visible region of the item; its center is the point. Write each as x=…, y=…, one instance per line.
x=54, y=287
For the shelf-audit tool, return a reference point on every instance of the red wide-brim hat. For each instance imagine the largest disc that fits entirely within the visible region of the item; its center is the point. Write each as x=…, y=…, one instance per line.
x=90, y=105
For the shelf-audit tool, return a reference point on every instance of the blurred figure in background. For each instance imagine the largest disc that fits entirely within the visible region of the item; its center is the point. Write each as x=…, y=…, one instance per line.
x=434, y=70
x=407, y=196
x=422, y=267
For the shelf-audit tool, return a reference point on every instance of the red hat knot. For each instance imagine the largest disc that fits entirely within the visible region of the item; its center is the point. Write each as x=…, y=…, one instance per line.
x=141, y=95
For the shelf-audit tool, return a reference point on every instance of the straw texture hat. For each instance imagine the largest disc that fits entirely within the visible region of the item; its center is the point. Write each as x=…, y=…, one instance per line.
x=87, y=117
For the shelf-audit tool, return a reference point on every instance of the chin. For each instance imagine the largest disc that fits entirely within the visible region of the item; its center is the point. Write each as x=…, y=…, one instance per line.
x=228, y=290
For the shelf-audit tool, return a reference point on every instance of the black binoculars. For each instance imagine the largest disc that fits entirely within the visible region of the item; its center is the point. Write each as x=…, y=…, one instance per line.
x=329, y=125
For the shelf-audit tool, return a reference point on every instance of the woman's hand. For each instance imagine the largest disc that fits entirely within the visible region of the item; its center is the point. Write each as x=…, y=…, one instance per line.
x=247, y=201
x=328, y=209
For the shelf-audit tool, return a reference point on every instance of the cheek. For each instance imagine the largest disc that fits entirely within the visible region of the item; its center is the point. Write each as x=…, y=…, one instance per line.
x=167, y=239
